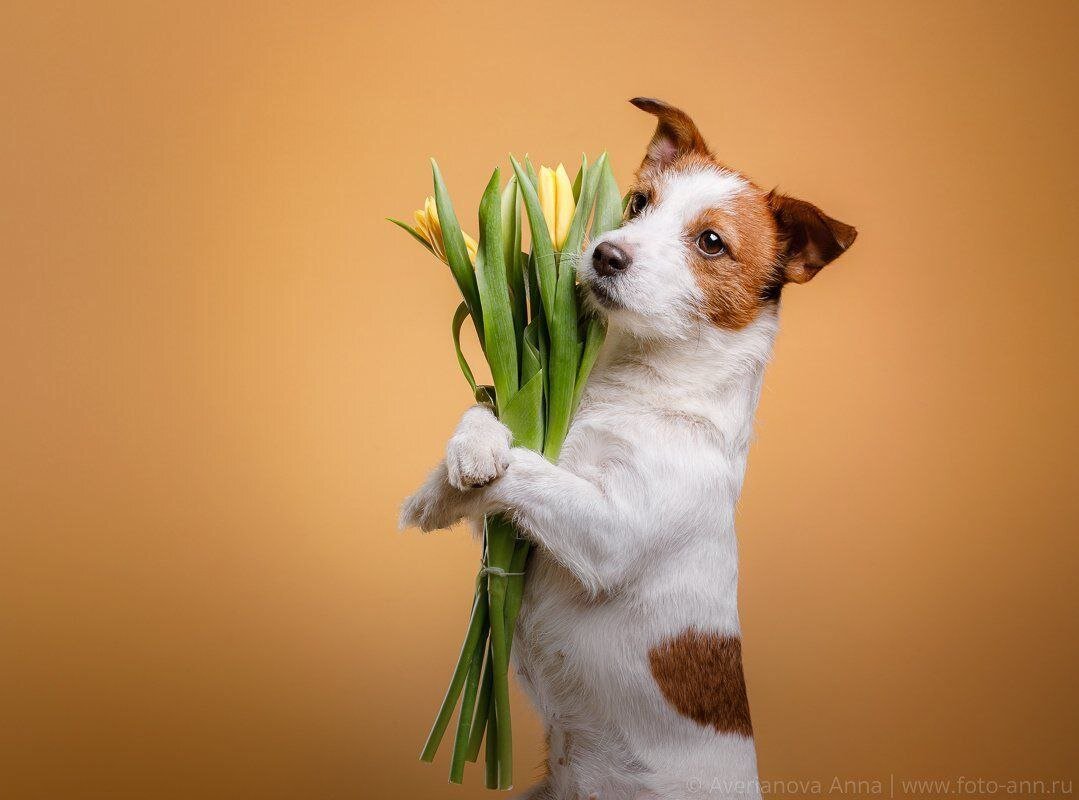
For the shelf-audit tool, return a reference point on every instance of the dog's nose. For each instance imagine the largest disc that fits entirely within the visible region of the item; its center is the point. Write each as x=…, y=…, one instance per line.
x=610, y=259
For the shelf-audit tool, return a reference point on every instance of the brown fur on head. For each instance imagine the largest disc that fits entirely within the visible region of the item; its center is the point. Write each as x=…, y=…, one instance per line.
x=768, y=239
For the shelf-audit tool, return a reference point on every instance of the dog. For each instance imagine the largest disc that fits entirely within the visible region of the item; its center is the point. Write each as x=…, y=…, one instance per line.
x=628, y=640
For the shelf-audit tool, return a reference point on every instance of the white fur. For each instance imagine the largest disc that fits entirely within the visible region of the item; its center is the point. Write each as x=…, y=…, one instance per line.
x=634, y=526
x=478, y=452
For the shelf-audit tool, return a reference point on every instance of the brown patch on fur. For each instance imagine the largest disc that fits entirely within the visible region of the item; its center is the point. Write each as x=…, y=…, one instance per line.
x=700, y=674
x=739, y=281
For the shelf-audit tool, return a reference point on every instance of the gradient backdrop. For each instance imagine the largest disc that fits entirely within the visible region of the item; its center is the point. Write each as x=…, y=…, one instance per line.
x=223, y=369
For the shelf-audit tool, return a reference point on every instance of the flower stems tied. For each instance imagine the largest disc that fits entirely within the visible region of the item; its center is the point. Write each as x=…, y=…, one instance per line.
x=540, y=346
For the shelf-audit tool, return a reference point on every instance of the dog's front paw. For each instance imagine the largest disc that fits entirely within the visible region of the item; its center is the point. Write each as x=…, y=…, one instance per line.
x=434, y=505
x=420, y=512
x=479, y=450
x=417, y=512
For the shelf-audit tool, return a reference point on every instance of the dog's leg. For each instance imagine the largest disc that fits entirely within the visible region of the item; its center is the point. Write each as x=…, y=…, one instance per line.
x=564, y=513
x=438, y=504
x=476, y=454
x=567, y=515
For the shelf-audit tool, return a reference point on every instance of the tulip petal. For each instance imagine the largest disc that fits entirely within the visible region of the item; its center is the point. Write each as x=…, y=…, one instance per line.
x=431, y=210
x=421, y=225
x=564, y=205
x=548, y=197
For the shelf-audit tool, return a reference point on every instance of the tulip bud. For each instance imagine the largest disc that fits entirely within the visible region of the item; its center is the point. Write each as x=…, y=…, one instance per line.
x=564, y=206
x=428, y=227
x=556, y=201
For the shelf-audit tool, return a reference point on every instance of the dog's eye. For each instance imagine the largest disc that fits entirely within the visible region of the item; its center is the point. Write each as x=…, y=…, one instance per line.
x=636, y=205
x=710, y=243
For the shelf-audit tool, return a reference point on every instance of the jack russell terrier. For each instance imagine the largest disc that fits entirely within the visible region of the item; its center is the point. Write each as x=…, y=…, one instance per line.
x=628, y=640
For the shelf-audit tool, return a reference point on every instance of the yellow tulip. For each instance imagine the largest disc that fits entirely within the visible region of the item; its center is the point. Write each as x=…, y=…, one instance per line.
x=556, y=200
x=428, y=226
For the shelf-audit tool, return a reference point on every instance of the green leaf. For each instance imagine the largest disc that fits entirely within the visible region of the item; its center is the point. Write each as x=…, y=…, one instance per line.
x=608, y=203
x=531, y=171
x=542, y=248
x=593, y=340
x=458, y=320
x=535, y=302
x=531, y=363
x=541, y=336
x=511, y=230
x=579, y=224
x=524, y=414
x=562, y=321
x=577, y=180
x=511, y=253
x=415, y=233
x=498, y=330
x=456, y=252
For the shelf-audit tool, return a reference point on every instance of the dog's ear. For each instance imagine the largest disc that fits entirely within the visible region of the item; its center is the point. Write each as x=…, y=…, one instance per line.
x=808, y=238
x=676, y=134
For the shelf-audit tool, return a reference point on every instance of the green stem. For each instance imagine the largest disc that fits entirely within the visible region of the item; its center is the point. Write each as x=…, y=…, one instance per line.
x=514, y=596
x=501, y=686
x=491, y=755
x=501, y=539
x=483, y=708
x=562, y=363
x=515, y=591
x=464, y=722
x=476, y=625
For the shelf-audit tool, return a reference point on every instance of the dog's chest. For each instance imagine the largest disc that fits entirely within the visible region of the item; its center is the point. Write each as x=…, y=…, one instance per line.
x=578, y=651
x=619, y=439
x=573, y=648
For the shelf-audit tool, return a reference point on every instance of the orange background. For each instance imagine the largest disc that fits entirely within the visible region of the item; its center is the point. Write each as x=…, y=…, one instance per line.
x=223, y=370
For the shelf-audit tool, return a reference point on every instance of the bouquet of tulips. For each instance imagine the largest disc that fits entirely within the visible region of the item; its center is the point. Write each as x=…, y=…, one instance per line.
x=541, y=346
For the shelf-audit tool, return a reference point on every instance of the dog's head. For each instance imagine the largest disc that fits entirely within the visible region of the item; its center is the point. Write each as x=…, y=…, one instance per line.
x=701, y=243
